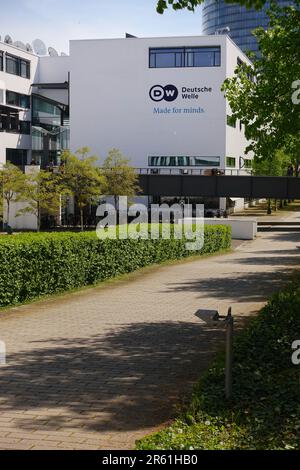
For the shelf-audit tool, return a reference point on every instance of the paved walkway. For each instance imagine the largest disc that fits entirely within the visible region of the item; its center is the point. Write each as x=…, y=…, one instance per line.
x=101, y=368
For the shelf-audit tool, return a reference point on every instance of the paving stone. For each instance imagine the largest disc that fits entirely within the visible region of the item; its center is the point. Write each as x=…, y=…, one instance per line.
x=100, y=368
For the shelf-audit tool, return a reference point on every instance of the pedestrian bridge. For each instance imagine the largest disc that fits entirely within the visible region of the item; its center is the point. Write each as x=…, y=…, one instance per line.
x=191, y=184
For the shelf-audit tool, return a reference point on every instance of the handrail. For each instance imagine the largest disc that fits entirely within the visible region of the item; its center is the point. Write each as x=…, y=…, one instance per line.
x=193, y=171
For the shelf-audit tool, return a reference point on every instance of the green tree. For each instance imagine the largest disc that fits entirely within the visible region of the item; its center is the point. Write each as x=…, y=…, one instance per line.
x=82, y=178
x=264, y=96
x=43, y=193
x=121, y=178
x=12, y=188
x=277, y=166
x=162, y=5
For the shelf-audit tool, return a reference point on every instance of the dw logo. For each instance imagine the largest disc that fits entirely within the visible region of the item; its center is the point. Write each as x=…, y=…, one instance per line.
x=167, y=93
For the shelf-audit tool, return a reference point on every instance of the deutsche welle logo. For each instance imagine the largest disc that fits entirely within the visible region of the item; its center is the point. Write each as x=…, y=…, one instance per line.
x=167, y=93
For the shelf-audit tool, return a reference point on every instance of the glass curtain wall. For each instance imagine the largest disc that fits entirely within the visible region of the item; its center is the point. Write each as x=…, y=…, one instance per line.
x=50, y=131
x=218, y=15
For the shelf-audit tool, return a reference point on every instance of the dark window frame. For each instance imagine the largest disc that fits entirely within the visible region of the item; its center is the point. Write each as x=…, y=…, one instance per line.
x=184, y=51
x=247, y=163
x=231, y=162
x=21, y=153
x=18, y=102
x=1, y=61
x=19, y=61
x=25, y=127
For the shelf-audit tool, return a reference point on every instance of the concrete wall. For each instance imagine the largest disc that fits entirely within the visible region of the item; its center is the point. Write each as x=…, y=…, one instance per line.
x=54, y=70
x=241, y=229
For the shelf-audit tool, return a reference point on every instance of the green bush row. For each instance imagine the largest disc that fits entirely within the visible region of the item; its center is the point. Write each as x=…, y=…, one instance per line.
x=33, y=265
x=265, y=411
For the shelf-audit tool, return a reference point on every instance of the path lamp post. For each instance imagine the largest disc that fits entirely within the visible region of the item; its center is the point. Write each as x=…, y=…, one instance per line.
x=212, y=317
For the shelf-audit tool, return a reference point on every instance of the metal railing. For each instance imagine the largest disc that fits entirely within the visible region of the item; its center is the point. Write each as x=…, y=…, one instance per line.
x=194, y=171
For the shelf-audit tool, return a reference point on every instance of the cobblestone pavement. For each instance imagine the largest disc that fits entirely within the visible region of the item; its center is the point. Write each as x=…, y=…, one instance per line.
x=101, y=368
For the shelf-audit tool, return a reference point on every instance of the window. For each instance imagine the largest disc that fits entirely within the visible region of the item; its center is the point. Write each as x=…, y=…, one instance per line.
x=46, y=112
x=247, y=163
x=17, y=157
x=24, y=127
x=231, y=162
x=171, y=161
x=17, y=66
x=16, y=99
x=9, y=122
x=185, y=57
x=11, y=64
x=24, y=68
x=231, y=121
x=3, y=121
x=13, y=123
x=1, y=96
x=1, y=61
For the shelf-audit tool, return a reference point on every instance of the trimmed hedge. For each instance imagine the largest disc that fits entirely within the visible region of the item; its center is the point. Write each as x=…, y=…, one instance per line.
x=265, y=411
x=33, y=265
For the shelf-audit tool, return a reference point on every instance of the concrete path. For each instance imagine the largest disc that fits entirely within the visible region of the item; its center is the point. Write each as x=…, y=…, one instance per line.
x=101, y=368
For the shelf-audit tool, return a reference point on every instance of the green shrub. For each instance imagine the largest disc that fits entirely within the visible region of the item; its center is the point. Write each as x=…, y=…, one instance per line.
x=33, y=265
x=265, y=411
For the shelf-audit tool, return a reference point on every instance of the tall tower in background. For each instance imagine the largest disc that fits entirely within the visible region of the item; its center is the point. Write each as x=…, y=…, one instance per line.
x=235, y=20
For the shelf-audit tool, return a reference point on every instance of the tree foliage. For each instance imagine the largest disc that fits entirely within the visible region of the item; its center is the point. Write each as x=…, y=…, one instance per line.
x=121, y=179
x=12, y=186
x=43, y=193
x=262, y=96
x=190, y=5
x=82, y=178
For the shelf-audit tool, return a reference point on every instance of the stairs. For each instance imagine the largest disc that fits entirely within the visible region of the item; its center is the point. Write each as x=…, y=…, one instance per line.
x=278, y=226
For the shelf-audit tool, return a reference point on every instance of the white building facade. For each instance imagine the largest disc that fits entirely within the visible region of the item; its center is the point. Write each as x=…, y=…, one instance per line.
x=158, y=100
x=18, y=70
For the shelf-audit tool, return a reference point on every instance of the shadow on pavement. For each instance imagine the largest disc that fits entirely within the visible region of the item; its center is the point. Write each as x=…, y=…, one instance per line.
x=241, y=287
x=126, y=380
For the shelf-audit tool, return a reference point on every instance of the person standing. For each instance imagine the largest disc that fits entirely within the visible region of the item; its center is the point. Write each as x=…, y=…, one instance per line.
x=290, y=170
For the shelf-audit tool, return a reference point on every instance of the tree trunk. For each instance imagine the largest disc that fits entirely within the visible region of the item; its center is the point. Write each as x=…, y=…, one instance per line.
x=7, y=212
x=269, y=211
x=81, y=219
x=38, y=217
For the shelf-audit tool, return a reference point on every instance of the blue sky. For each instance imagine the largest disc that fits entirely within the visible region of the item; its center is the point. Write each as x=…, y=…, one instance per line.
x=57, y=21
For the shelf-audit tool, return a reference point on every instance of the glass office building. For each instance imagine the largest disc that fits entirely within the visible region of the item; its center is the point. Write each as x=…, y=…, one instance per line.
x=218, y=16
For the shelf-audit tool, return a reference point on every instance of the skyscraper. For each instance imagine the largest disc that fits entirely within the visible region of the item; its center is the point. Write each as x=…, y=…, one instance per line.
x=236, y=21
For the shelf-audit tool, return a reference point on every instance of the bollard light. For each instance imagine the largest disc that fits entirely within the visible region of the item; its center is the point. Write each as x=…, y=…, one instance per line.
x=213, y=318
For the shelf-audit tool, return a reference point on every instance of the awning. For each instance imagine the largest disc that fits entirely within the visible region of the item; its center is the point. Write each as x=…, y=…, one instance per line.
x=51, y=86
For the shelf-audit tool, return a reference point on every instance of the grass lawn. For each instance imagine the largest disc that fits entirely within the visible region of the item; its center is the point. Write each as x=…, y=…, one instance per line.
x=265, y=410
